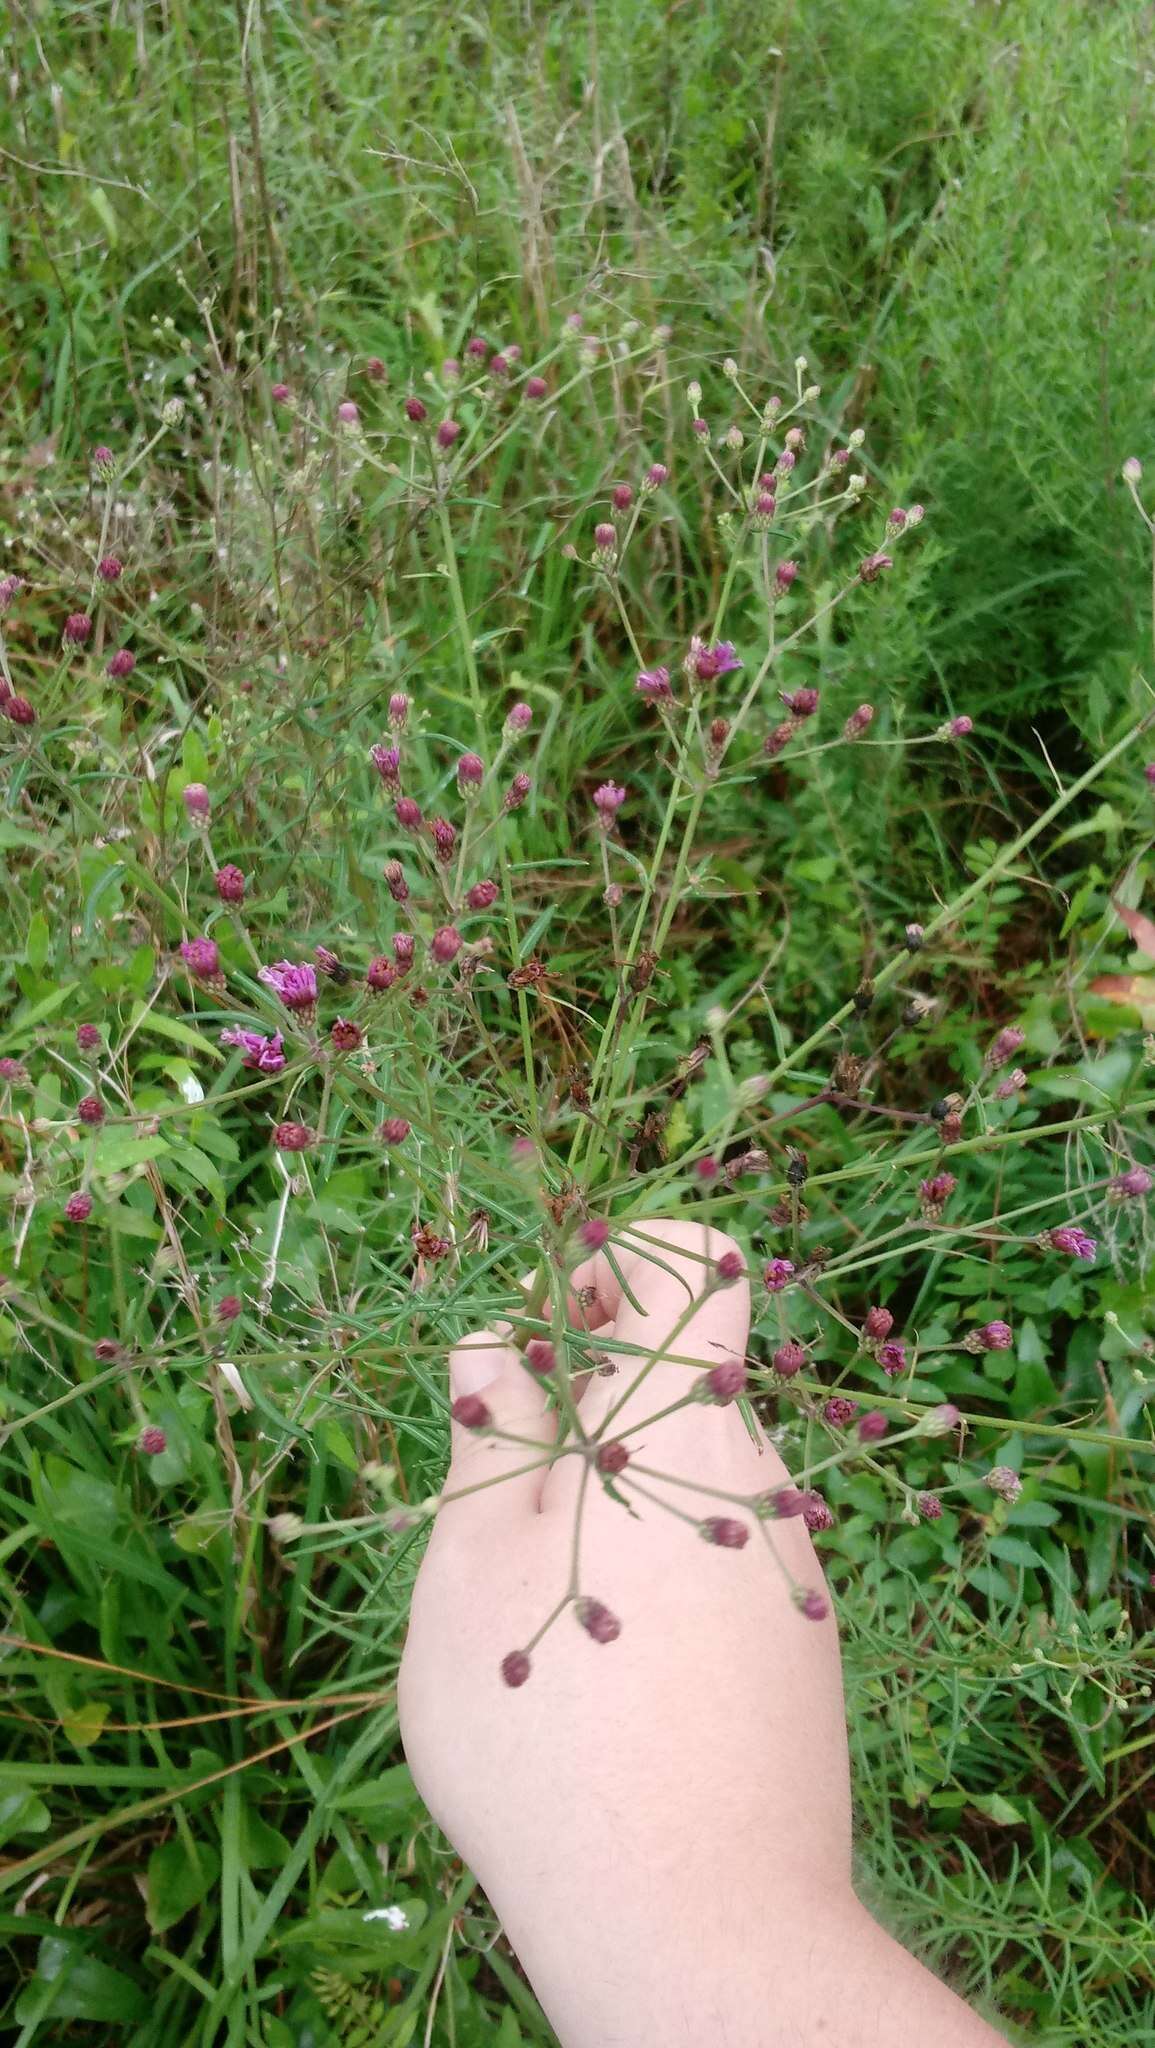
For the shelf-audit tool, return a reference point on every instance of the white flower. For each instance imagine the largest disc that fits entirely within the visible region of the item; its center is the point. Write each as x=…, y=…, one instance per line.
x=395, y=1917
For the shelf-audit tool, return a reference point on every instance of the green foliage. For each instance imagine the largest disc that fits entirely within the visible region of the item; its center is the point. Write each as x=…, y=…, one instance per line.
x=203, y=1809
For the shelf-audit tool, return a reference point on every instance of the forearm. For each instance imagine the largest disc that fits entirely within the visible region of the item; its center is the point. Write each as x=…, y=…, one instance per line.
x=809, y=1976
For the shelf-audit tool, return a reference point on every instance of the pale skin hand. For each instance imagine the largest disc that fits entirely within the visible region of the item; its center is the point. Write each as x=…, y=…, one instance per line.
x=662, y=1822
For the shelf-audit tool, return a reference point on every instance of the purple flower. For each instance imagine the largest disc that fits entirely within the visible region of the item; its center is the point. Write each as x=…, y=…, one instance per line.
x=815, y=1512
x=447, y=433
x=873, y=1426
x=120, y=664
x=724, y=1382
x=608, y=800
x=1134, y=1183
x=294, y=982
x=725, y=1531
x=202, y=958
x=78, y=1208
x=110, y=568
x=1004, y=1482
x=536, y=387
x=470, y=772
x=858, y=722
x=996, y=1336
x=838, y=1411
x=515, y=1666
x=777, y=1274
x=960, y=727
x=197, y=802
x=622, y=497
x=347, y=413
x=1015, y=1080
x=654, y=683
x=597, y=1621
x=398, y=710
x=77, y=627
x=871, y=569
x=445, y=944
x=929, y=1506
x=1149, y=773
x=230, y=883
x=892, y=1357
x=264, y=1055
x=877, y=1323
x=519, y=718
x=706, y=663
x=387, y=762
x=1069, y=1238
x=789, y=1359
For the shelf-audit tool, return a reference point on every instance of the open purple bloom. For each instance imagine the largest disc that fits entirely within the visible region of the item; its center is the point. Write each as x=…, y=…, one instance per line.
x=709, y=662
x=1069, y=1238
x=654, y=683
x=264, y=1055
x=294, y=982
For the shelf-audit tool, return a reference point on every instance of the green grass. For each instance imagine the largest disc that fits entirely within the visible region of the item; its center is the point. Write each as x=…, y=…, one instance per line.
x=203, y=1792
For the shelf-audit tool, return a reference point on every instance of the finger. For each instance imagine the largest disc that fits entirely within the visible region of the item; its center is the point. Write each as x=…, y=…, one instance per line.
x=659, y=1283
x=502, y=1432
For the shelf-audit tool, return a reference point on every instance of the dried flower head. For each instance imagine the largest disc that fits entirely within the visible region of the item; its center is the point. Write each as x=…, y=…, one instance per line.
x=293, y=1137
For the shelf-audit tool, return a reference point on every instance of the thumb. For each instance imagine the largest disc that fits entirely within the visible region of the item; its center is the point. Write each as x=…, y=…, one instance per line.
x=503, y=1431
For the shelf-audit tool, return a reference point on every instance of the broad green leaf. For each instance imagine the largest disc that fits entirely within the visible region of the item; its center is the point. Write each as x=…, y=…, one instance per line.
x=72, y=1985
x=177, y=1882
x=144, y=1019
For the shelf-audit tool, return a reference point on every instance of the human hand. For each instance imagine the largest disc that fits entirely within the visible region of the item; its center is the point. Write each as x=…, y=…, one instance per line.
x=660, y=1818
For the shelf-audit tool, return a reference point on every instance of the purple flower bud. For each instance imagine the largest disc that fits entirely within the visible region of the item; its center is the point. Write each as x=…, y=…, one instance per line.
x=398, y=711
x=700, y=429
x=78, y=1208
x=789, y=1359
x=415, y=410
x=612, y=1458
x=706, y=1169
x=346, y=1036
x=929, y=1506
x=228, y=1308
x=877, y=1323
x=1004, y=1482
x=608, y=800
x=519, y=718
x=202, y=958
x=515, y=1668
x=107, y=1350
x=292, y=1137
x=597, y=1621
x=935, y=1193
x=380, y=975
x=394, y=1130
x=375, y=370
x=294, y=983
x=622, y=497
x=470, y=772
x=77, y=627
x=801, y=703
x=782, y=1503
x=281, y=393
x=997, y=1336
x=1133, y=1184
x=892, y=1357
x=816, y=1513
x=540, y=1356
x=151, y=1441
x=450, y=370
x=1069, y=1238
x=1014, y=1081
x=724, y=1531
x=10, y=587
x=348, y=413
x=594, y=1233
x=387, y=762
x=960, y=727
x=725, y=1381
x=407, y=813
x=858, y=722
x=88, y=1038
x=656, y=475
x=499, y=365
x=777, y=1274
x=447, y=433
x=470, y=1411
x=536, y=387
x=730, y=1268
x=604, y=538
x=517, y=792
x=110, y=568
x=784, y=576
x=403, y=948
x=13, y=1072
x=120, y=664
x=445, y=944
x=197, y=802
x=838, y=1411
x=482, y=896
x=810, y=1605
x=230, y=884
x=872, y=1427
x=444, y=839
x=104, y=463
x=941, y=1420
x=1149, y=773
x=1005, y=1045
x=90, y=1110
x=19, y=710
